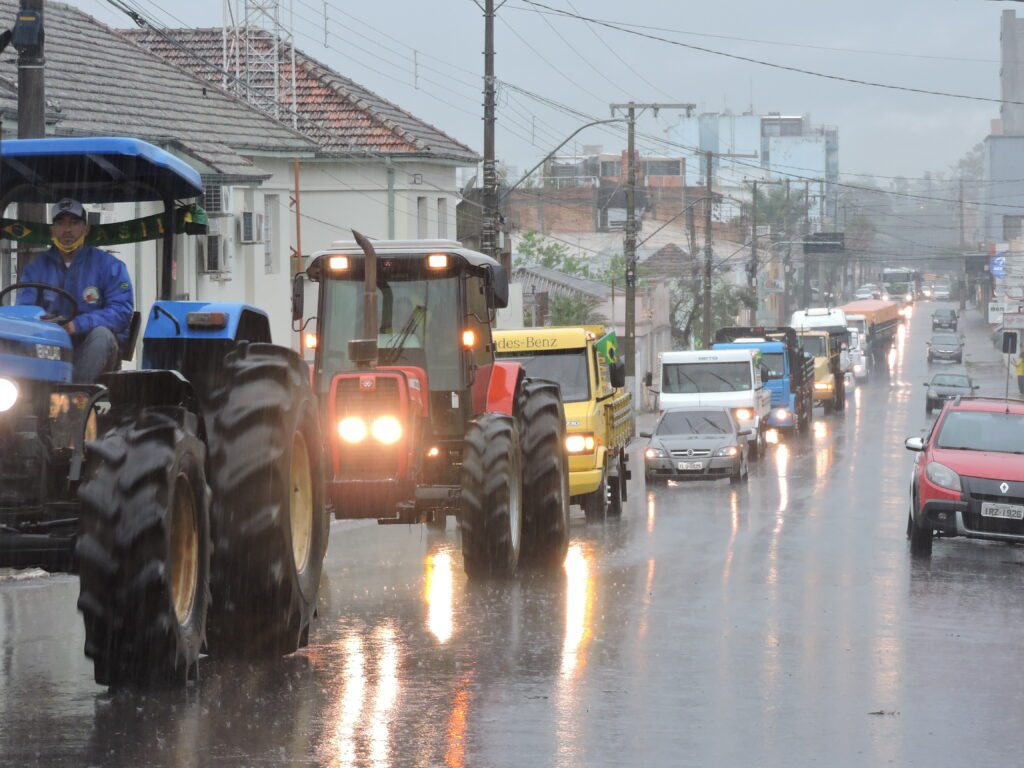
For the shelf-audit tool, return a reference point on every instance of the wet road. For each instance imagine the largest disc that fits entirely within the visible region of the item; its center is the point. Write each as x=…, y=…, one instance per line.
x=781, y=625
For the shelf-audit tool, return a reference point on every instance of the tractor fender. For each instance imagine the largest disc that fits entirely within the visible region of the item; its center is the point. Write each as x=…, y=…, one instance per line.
x=496, y=388
x=147, y=388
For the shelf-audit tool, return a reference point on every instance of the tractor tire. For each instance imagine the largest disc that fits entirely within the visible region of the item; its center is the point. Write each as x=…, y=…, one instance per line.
x=268, y=518
x=491, y=523
x=144, y=549
x=545, y=475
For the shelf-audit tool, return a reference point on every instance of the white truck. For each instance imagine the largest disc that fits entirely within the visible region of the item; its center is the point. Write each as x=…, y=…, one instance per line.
x=731, y=378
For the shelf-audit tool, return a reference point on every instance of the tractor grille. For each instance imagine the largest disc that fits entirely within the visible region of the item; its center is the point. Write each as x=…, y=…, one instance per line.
x=368, y=460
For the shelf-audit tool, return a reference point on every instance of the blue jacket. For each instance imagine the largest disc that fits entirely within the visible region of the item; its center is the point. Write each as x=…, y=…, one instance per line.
x=96, y=278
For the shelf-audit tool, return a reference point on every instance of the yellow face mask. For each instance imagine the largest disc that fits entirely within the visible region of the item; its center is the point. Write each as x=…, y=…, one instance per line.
x=67, y=249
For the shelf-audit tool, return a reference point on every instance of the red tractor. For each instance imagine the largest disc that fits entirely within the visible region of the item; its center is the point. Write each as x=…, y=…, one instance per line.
x=420, y=420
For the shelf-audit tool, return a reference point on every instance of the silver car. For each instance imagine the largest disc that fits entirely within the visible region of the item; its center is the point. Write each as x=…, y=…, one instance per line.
x=696, y=443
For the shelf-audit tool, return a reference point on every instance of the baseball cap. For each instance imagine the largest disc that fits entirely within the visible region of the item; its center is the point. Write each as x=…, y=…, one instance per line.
x=67, y=205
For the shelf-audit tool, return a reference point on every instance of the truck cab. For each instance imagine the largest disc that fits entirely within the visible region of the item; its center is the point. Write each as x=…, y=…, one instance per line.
x=733, y=378
x=829, y=385
x=583, y=361
x=776, y=375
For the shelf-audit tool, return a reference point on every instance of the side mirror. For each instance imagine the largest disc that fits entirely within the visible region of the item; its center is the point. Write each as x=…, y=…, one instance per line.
x=915, y=444
x=648, y=379
x=925, y=384
x=745, y=432
x=298, y=296
x=645, y=434
x=617, y=374
x=497, y=285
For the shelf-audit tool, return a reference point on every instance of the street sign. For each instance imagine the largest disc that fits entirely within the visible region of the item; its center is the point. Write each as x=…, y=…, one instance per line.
x=825, y=242
x=997, y=265
x=1014, y=321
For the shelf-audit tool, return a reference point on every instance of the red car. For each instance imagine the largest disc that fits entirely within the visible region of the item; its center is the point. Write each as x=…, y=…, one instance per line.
x=969, y=477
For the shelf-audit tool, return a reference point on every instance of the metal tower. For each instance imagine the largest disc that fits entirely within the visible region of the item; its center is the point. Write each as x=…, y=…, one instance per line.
x=259, y=54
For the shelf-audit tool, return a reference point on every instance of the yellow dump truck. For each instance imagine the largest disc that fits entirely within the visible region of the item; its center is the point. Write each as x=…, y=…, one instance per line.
x=583, y=360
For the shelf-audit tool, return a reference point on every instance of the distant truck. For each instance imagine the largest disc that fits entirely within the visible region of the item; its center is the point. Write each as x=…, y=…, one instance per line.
x=824, y=335
x=877, y=323
x=790, y=372
x=583, y=360
x=733, y=378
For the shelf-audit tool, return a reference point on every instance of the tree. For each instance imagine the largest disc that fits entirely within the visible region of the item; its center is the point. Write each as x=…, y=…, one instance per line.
x=576, y=310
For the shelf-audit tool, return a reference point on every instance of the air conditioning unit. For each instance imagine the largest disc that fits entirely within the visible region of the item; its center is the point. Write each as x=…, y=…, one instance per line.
x=213, y=254
x=250, y=227
x=217, y=200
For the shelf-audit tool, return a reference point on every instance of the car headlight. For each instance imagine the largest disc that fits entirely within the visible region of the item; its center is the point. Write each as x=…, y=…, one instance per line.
x=386, y=430
x=743, y=414
x=781, y=413
x=8, y=394
x=728, y=451
x=942, y=476
x=580, y=443
x=352, y=429
x=655, y=453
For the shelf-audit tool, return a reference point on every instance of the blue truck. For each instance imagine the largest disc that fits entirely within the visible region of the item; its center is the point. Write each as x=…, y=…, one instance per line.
x=787, y=372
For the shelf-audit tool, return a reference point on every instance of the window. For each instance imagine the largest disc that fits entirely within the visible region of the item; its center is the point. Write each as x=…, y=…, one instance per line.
x=694, y=423
x=1012, y=227
x=663, y=168
x=421, y=218
x=611, y=168
x=982, y=431
x=566, y=367
x=690, y=378
x=442, y=217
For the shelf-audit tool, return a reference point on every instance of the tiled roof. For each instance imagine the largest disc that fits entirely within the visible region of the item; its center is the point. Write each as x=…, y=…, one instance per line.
x=342, y=116
x=100, y=83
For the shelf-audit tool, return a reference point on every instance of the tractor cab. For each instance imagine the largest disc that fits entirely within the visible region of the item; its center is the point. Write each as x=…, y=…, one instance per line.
x=404, y=360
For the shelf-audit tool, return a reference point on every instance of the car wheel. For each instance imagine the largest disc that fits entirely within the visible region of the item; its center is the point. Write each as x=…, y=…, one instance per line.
x=920, y=538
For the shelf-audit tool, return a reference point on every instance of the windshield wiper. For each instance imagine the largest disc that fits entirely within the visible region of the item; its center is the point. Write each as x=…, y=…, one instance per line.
x=725, y=381
x=394, y=350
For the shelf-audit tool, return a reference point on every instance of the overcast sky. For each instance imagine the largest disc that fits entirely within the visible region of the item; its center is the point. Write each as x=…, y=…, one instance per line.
x=934, y=44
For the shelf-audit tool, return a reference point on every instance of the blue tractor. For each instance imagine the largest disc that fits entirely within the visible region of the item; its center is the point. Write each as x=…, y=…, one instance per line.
x=187, y=494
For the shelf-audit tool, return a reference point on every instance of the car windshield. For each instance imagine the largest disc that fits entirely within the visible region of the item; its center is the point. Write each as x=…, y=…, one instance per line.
x=694, y=423
x=946, y=341
x=775, y=363
x=951, y=380
x=690, y=378
x=567, y=367
x=982, y=431
x=943, y=313
x=813, y=345
x=416, y=320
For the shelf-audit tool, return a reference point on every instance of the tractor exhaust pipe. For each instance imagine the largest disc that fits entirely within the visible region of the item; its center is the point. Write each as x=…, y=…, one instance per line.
x=363, y=351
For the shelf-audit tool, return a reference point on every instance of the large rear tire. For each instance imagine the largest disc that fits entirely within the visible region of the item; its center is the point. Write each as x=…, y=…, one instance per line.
x=269, y=521
x=545, y=475
x=144, y=549
x=491, y=522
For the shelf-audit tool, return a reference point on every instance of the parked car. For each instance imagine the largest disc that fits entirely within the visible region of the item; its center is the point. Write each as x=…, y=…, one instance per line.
x=968, y=479
x=946, y=347
x=947, y=386
x=696, y=443
x=945, y=319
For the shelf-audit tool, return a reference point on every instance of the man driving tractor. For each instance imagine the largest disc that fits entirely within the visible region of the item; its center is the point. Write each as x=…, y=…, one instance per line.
x=98, y=281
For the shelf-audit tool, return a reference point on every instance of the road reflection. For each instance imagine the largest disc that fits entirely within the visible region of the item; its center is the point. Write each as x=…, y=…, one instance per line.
x=386, y=648
x=438, y=592
x=650, y=512
x=455, y=754
x=579, y=596
x=350, y=707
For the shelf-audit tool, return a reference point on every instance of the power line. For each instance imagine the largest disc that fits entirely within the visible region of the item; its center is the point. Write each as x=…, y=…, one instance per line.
x=770, y=64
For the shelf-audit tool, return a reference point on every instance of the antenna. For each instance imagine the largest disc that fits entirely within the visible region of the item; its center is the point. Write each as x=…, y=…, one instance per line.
x=258, y=48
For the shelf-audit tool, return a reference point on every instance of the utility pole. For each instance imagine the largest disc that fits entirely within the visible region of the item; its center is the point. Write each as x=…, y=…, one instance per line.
x=807, y=299
x=28, y=39
x=489, y=225
x=707, y=251
x=963, y=256
x=629, y=246
x=752, y=269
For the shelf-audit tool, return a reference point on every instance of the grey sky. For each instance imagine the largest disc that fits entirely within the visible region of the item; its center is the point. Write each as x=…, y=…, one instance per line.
x=882, y=132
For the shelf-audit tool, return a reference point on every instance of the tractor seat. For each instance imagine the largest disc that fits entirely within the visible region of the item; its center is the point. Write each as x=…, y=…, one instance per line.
x=128, y=345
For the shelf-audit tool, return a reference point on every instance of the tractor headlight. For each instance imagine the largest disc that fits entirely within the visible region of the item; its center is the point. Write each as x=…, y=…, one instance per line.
x=583, y=443
x=387, y=430
x=8, y=394
x=352, y=429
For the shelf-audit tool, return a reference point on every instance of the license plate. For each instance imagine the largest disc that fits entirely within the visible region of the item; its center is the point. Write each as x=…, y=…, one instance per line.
x=685, y=465
x=1005, y=511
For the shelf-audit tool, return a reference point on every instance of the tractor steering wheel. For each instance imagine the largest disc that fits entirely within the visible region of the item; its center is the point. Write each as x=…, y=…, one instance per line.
x=48, y=317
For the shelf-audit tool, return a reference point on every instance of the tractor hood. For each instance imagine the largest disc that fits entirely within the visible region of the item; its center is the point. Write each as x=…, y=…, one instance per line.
x=32, y=349
x=22, y=325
